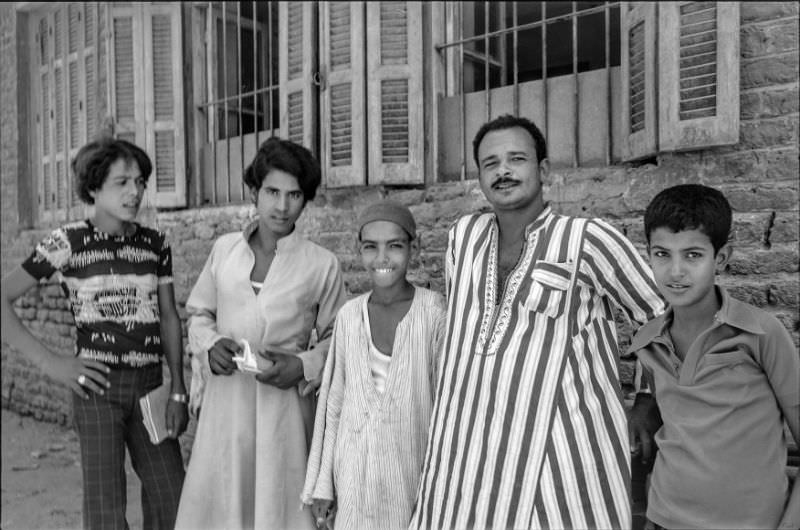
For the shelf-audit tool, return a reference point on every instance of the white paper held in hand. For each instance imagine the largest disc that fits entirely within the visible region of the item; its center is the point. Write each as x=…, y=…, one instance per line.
x=250, y=362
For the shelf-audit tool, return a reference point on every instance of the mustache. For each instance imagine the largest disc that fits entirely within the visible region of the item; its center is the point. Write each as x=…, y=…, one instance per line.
x=503, y=180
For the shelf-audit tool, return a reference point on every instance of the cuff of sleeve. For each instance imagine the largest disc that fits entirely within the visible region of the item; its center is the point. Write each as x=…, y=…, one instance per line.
x=209, y=343
x=313, y=363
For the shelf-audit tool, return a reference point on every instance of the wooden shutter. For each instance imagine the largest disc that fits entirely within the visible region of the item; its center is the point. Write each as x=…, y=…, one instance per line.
x=147, y=93
x=342, y=67
x=90, y=69
x=61, y=25
x=638, y=47
x=394, y=93
x=297, y=64
x=698, y=74
x=63, y=77
x=163, y=76
x=127, y=85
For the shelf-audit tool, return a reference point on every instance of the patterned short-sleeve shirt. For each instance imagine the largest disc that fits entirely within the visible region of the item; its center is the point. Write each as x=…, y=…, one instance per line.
x=112, y=286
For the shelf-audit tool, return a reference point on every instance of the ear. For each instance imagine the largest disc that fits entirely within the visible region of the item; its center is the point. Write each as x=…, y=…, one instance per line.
x=254, y=196
x=722, y=257
x=357, y=246
x=544, y=171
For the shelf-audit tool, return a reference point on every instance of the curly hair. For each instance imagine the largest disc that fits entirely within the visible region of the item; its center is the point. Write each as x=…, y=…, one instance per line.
x=277, y=153
x=90, y=166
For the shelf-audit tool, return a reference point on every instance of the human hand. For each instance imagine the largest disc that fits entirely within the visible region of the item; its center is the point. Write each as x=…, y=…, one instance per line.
x=78, y=374
x=286, y=371
x=324, y=512
x=644, y=419
x=220, y=356
x=177, y=418
x=308, y=388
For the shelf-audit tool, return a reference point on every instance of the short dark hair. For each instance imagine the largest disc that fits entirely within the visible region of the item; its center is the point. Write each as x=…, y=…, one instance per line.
x=277, y=153
x=507, y=121
x=690, y=207
x=90, y=165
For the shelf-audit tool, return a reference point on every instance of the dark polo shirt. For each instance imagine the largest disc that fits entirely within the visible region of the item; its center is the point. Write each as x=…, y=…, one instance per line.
x=722, y=453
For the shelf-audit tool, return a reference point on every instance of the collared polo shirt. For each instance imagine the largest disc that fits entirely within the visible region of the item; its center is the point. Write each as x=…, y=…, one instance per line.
x=722, y=453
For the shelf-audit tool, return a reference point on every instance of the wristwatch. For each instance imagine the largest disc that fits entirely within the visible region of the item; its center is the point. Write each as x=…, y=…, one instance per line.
x=180, y=398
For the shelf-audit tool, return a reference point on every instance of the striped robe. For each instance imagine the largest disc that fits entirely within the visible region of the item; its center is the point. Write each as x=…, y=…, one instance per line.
x=528, y=428
x=368, y=448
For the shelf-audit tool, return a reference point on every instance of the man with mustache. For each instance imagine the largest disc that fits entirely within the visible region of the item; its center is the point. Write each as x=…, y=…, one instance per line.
x=528, y=427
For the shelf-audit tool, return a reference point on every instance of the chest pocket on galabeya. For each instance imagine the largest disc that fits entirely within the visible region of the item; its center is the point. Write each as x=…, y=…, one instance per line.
x=549, y=287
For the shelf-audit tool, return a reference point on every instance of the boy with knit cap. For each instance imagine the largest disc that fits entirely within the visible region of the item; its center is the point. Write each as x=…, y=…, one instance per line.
x=378, y=385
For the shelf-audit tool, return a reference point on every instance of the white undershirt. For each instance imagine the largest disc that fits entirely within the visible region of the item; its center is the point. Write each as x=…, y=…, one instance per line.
x=378, y=361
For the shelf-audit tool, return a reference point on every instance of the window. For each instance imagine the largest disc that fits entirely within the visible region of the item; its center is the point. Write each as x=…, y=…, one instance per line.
x=557, y=63
x=599, y=80
x=64, y=67
x=236, y=93
x=340, y=78
x=145, y=62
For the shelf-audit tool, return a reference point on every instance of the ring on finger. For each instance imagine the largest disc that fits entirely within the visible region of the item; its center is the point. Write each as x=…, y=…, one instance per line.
x=81, y=379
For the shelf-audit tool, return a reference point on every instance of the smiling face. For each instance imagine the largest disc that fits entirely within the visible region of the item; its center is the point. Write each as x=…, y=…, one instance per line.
x=684, y=266
x=279, y=202
x=510, y=175
x=385, y=252
x=118, y=199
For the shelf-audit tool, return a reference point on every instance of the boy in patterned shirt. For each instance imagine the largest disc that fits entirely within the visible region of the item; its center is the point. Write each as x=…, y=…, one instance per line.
x=117, y=276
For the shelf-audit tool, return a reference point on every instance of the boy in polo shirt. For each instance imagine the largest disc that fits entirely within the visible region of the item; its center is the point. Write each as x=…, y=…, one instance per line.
x=723, y=374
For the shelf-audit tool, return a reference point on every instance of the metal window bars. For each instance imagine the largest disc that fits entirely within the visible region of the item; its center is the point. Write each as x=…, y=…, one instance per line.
x=465, y=44
x=239, y=102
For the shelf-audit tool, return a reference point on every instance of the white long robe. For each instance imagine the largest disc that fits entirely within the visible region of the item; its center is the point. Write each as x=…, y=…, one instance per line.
x=368, y=447
x=249, y=455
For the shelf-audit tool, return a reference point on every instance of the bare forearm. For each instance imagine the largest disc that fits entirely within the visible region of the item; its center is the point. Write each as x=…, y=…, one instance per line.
x=172, y=343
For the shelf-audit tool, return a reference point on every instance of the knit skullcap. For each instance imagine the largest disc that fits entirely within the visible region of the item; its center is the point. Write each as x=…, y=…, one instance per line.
x=389, y=211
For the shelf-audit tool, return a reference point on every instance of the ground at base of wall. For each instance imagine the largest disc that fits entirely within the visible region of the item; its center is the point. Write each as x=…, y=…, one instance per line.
x=41, y=477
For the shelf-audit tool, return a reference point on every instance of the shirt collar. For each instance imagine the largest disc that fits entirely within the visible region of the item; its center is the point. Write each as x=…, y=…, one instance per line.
x=540, y=221
x=732, y=312
x=653, y=331
x=738, y=314
x=285, y=244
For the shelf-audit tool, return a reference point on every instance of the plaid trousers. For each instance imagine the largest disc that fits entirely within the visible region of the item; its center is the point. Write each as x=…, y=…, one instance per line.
x=106, y=425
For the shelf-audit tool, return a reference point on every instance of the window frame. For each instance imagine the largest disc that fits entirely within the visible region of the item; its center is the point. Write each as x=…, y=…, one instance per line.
x=449, y=44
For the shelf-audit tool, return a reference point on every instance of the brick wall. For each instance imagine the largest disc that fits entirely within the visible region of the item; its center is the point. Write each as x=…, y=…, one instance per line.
x=759, y=176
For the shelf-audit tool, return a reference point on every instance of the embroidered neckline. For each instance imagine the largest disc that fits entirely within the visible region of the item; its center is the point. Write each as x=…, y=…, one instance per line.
x=500, y=314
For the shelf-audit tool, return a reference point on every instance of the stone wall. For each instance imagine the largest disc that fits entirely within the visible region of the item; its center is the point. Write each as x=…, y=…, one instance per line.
x=759, y=176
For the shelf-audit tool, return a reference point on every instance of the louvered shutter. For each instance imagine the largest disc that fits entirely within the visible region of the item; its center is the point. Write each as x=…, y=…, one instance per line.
x=90, y=69
x=164, y=132
x=342, y=66
x=639, y=97
x=147, y=93
x=59, y=195
x=394, y=93
x=698, y=74
x=127, y=90
x=297, y=62
x=63, y=75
